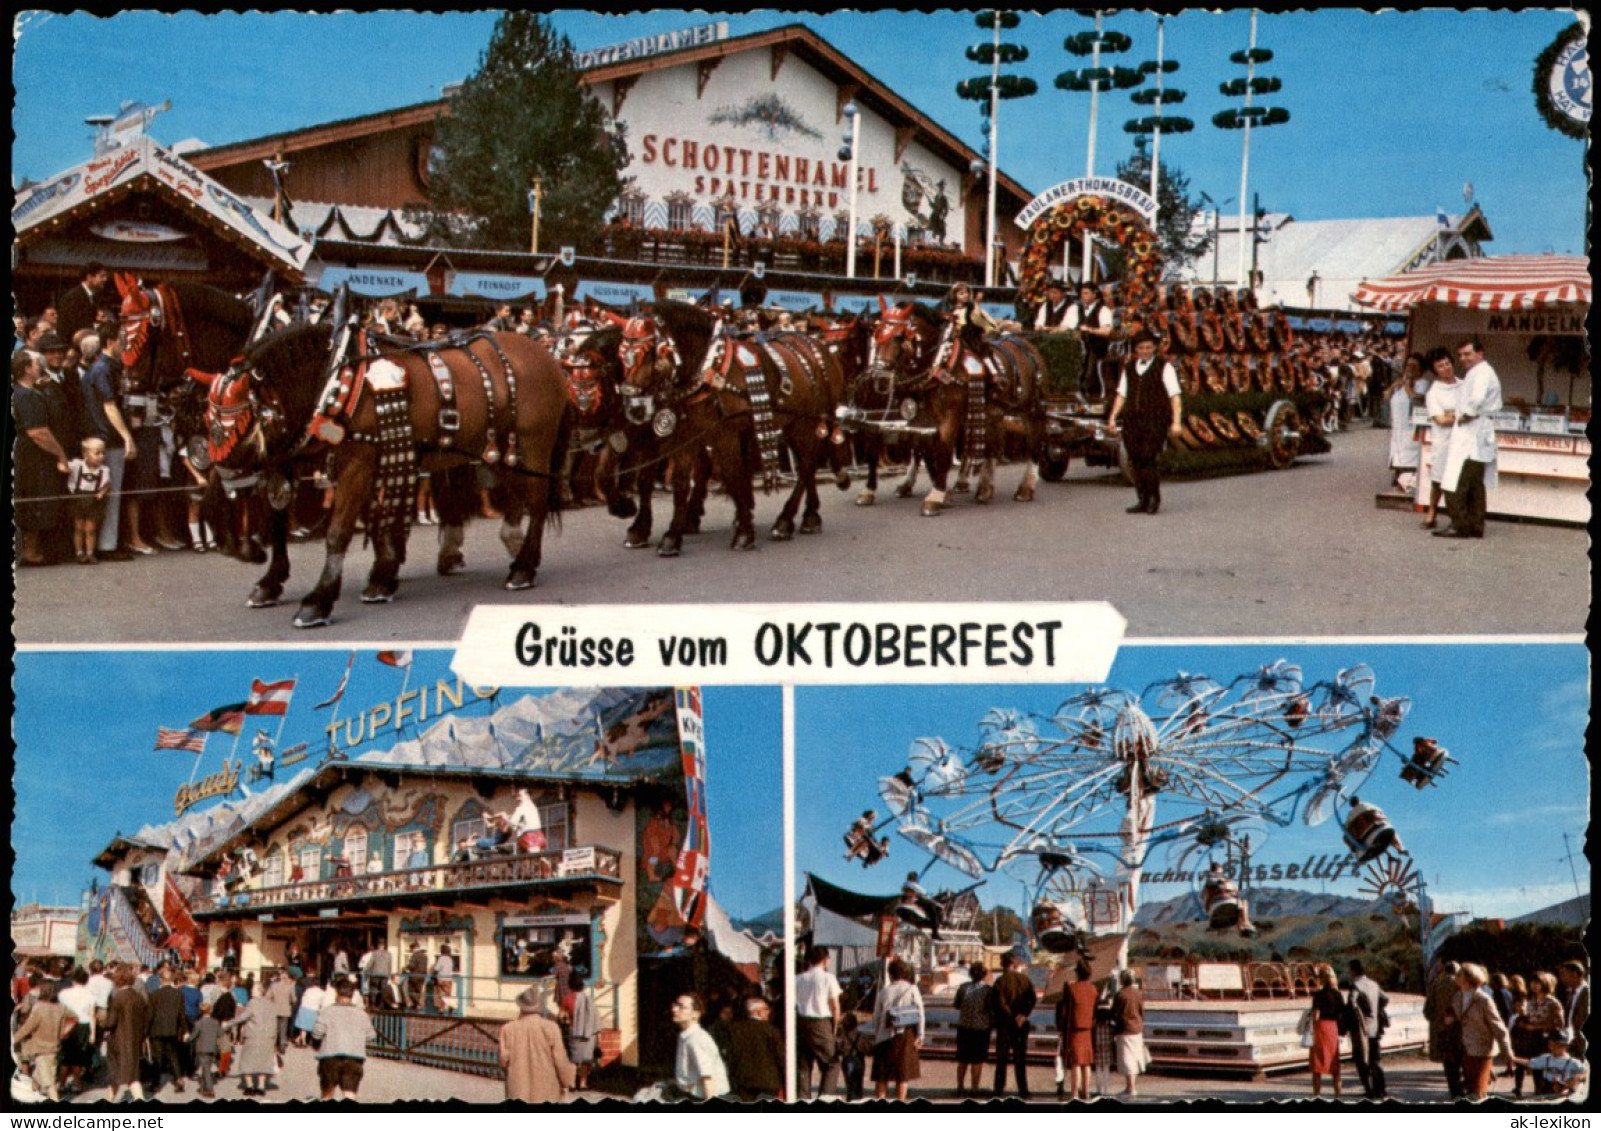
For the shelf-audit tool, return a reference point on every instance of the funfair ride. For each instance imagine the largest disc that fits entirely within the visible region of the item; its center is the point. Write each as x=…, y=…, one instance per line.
x=1073, y=804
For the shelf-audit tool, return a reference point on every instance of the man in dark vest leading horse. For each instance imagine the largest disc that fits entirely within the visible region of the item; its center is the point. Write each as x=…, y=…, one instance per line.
x=1147, y=409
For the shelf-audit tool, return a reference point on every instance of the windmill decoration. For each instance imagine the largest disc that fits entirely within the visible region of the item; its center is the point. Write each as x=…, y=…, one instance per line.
x=1394, y=878
x=1072, y=804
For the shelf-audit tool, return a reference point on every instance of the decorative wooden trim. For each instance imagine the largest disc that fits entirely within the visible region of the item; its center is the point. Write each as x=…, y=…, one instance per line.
x=703, y=73
x=846, y=93
x=619, y=93
x=779, y=52
x=904, y=136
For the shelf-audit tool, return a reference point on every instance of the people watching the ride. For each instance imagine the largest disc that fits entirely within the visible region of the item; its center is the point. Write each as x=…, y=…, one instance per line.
x=1014, y=1001
x=898, y=1032
x=975, y=1018
x=817, y=1009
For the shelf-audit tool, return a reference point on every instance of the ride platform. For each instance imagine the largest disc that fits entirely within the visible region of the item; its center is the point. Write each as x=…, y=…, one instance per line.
x=1246, y=1038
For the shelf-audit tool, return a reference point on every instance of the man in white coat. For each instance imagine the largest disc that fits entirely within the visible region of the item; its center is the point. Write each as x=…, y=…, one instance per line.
x=1470, y=470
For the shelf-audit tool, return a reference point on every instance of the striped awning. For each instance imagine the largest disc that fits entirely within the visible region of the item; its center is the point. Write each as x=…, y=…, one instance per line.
x=1502, y=282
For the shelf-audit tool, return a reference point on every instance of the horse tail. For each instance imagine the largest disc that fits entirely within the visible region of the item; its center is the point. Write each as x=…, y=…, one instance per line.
x=558, y=461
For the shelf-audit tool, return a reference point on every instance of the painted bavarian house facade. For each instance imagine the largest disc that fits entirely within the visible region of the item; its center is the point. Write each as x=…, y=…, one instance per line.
x=604, y=870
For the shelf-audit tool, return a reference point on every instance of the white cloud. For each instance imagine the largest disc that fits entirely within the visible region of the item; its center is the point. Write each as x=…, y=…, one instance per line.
x=1501, y=903
x=1556, y=813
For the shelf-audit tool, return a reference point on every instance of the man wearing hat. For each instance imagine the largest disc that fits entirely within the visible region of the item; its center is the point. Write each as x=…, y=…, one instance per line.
x=531, y=1050
x=1148, y=409
x=1052, y=314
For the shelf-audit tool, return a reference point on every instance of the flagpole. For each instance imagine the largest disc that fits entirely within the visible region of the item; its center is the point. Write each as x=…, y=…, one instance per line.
x=405, y=682
x=198, y=757
x=284, y=718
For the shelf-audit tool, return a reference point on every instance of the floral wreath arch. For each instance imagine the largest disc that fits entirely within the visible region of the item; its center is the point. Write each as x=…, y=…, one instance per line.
x=1101, y=216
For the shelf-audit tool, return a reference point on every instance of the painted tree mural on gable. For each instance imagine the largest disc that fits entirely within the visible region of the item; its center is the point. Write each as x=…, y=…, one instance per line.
x=768, y=113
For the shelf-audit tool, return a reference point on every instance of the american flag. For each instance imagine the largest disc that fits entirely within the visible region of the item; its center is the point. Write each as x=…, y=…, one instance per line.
x=344, y=681
x=181, y=738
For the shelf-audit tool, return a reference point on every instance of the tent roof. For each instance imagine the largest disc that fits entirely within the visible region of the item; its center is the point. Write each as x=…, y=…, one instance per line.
x=850, y=904
x=144, y=167
x=1502, y=282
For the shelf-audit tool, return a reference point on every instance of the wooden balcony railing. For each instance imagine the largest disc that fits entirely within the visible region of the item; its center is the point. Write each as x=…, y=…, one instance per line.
x=589, y=863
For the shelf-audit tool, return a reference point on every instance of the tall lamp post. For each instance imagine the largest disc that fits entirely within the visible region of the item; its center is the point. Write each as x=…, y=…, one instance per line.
x=536, y=197
x=848, y=152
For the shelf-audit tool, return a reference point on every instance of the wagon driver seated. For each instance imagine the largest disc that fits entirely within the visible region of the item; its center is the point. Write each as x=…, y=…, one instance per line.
x=969, y=323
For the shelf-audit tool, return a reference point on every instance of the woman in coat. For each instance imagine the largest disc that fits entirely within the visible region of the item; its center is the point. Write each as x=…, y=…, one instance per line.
x=582, y=1029
x=537, y=1068
x=1075, y=1024
x=127, y=1025
x=257, y=1029
x=898, y=1030
x=1483, y=1031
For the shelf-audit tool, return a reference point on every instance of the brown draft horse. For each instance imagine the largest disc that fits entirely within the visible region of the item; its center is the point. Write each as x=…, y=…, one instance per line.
x=619, y=426
x=387, y=408
x=914, y=351
x=678, y=356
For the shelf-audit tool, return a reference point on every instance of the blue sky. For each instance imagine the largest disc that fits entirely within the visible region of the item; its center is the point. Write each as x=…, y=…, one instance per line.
x=1391, y=113
x=1487, y=839
x=85, y=725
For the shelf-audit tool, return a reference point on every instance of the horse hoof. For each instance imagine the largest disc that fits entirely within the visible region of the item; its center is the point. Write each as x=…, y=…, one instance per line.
x=930, y=509
x=962, y=487
x=865, y=499
x=262, y=599
x=1024, y=495
x=636, y=542
x=669, y=548
x=842, y=480
x=372, y=595
x=986, y=494
x=904, y=491
x=625, y=508
x=783, y=530
x=811, y=523
x=312, y=618
x=743, y=540
x=518, y=580
x=451, y=563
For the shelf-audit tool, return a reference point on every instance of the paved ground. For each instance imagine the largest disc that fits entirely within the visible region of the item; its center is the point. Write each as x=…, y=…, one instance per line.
x=1302, y=552
x=1291, y=553
x=1412, y=1080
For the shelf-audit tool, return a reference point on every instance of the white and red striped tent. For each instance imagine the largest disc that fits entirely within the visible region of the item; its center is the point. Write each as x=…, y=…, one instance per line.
x=1502, y=282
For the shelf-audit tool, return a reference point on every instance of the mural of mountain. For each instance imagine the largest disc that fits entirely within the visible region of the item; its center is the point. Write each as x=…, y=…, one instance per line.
x=1266, y=903
x=606, y=733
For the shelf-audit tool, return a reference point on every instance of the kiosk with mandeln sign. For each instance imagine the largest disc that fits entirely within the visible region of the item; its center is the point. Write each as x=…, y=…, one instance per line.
x=1529, y=313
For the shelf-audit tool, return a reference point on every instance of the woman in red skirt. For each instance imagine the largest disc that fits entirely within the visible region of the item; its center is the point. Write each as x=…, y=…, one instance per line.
x=1075, y=1022
x=1327, y=1005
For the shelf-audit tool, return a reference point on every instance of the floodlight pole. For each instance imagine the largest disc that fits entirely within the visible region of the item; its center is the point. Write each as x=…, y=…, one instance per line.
x=1087, y=264
x=854, y=111
x=1156, y=135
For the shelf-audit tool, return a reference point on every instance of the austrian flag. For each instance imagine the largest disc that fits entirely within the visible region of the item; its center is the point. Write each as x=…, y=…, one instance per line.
x=269, y=698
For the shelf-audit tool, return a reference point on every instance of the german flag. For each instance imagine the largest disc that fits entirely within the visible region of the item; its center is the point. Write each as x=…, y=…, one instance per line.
x=228, y=720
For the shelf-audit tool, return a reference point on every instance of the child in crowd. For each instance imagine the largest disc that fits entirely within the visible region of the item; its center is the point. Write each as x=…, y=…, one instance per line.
x=1562, y=1073
x=854, y=1045
x=88, y=482
x=207, y=1038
